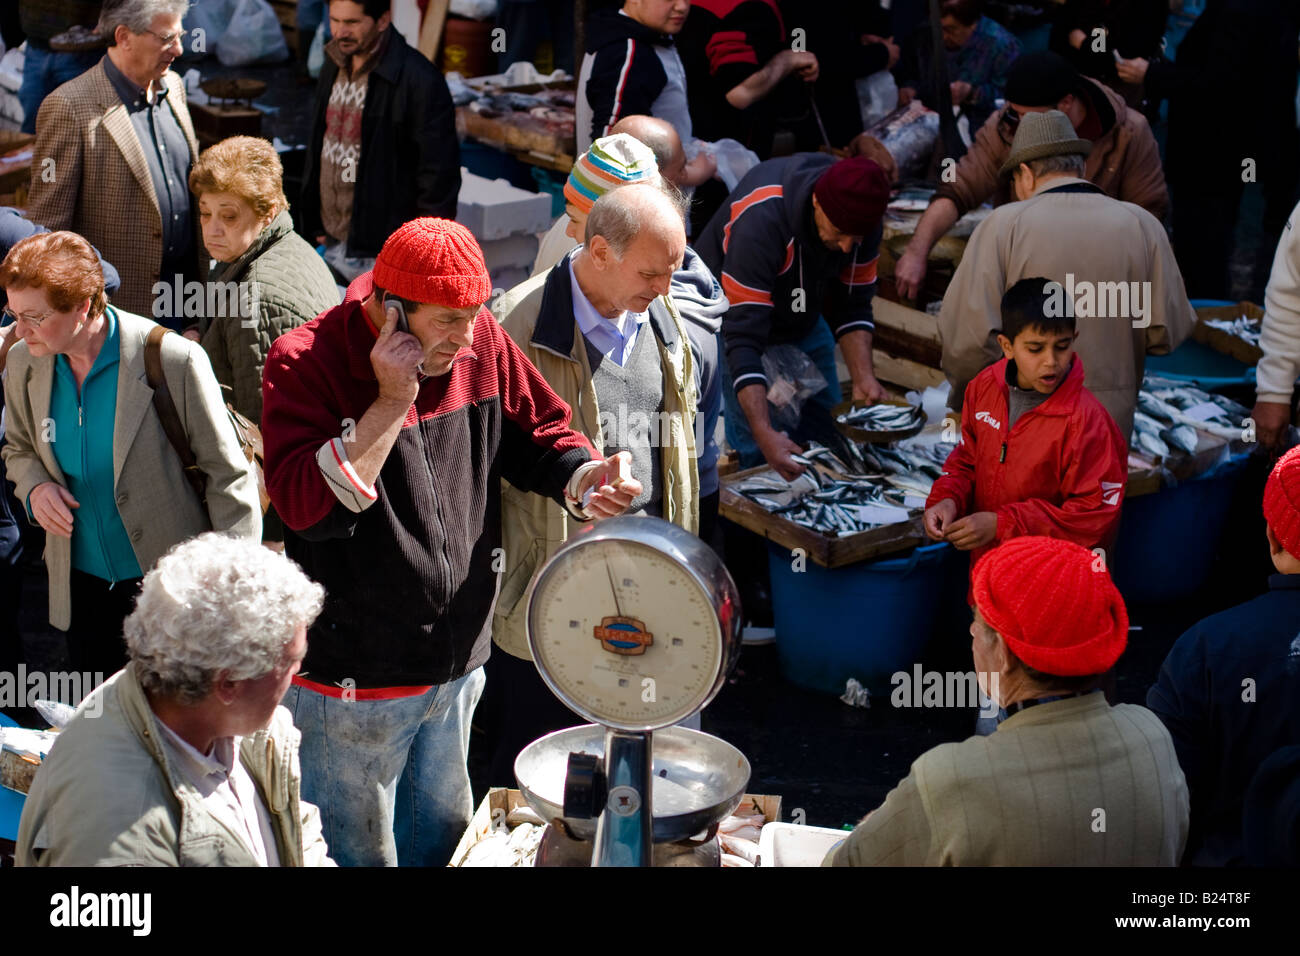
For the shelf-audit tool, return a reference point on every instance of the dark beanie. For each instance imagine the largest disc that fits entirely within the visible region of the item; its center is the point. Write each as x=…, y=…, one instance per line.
x=853, y=193
x=1042, y=78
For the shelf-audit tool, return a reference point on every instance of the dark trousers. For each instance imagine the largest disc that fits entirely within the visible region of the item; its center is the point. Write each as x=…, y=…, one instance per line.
x=95, y=642
x=527, y=710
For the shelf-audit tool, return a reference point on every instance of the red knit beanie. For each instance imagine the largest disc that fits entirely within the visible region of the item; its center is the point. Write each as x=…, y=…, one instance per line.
x=436, y=261
x=1056, y=613
x=1282, y=501
x=853, y=193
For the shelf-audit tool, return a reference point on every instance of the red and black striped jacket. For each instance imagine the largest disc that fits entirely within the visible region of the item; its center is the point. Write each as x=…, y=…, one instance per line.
x=410, y=566
x=778, y=275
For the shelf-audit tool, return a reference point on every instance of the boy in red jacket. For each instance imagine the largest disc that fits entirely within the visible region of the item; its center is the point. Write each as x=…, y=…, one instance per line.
x=1038, y=453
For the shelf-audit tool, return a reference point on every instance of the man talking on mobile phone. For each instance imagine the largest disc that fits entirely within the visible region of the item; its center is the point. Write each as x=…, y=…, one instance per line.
x=388, y=480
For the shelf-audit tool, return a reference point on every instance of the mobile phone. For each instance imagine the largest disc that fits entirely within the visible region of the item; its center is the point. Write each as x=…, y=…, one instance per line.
x=402, y=324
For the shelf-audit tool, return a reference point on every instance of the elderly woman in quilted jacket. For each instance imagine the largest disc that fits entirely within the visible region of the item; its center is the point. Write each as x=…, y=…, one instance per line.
x=267, y=280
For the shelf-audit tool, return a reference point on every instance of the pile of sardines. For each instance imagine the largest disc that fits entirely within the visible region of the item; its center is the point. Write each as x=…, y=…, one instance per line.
x=1248, y=330
x=851, y=488
x=1170, y=414
x=883, y=418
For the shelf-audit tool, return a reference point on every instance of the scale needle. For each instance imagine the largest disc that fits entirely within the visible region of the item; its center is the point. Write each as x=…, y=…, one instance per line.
x=613, y=588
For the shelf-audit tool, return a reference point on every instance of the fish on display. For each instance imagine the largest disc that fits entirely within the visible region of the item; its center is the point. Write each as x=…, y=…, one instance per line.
x=883, y=418
x=834, y=499
x=1248, y=330
x=1182, y=437
x=1146, y=435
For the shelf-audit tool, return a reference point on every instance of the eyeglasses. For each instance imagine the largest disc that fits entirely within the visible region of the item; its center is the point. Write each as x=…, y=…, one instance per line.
x=167, y=40
x=31, y=318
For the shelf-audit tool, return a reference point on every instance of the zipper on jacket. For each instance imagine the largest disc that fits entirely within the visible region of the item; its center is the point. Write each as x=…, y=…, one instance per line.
x=1002, y=457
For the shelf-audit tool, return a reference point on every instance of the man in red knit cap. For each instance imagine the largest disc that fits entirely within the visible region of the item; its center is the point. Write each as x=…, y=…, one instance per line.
x=1229, y=691
x=1066, y=779
x=389, y=422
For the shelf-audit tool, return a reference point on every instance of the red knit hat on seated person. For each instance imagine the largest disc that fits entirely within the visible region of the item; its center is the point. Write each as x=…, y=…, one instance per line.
x=435, y=261
x=1056, y=613
x=853, y=193
x=1282, y=501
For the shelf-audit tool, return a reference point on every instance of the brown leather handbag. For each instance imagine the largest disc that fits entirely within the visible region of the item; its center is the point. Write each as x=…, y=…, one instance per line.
x=248, y=434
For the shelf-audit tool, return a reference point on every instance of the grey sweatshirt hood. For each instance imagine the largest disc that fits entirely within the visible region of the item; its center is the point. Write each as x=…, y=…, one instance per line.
x=697, y=294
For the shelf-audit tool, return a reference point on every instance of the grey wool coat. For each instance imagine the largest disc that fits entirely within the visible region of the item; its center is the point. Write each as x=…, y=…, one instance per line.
x=287, y=285
x=158, y=507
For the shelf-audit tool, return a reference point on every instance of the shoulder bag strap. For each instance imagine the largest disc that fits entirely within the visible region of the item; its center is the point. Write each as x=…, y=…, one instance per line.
x=167, y=414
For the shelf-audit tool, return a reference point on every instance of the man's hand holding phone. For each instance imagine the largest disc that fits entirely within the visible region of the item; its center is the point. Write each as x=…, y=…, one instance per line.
x=397, y=357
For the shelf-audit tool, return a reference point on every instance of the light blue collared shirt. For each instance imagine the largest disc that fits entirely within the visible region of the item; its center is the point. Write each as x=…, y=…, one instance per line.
x=613, y=338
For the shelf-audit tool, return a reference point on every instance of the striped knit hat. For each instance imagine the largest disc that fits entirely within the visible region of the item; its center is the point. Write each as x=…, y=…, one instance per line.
x=1056, y=609
x=1282, y=501
x=612, y=161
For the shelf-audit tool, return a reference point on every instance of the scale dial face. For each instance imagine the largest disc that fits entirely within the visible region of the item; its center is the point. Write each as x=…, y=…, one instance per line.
x=625, y=635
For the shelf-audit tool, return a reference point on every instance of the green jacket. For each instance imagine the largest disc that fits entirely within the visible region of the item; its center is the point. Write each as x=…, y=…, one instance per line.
x=107, y=795
x=538, y=315
x=288, y=284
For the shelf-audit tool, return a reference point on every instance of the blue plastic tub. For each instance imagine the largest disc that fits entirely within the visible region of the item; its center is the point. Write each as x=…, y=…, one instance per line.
x=1199, y=365
x=1167, y=541
x=11, y=810
x=866, y=621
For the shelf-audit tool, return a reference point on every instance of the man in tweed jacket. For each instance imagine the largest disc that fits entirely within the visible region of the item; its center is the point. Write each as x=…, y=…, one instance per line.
x=113, y=152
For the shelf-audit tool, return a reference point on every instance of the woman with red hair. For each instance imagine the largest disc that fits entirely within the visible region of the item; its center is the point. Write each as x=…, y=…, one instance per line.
x=88, y=453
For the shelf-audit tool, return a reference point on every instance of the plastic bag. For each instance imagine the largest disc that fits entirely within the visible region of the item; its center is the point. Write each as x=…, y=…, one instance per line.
x=316, y=55
x=733, y=159
x=253, y=36
x=474, y=9
x=213, y=17
x=877, y=96
x=792, y=378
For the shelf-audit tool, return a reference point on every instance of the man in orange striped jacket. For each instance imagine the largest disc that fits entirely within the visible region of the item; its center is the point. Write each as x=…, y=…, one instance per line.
x=795, y=248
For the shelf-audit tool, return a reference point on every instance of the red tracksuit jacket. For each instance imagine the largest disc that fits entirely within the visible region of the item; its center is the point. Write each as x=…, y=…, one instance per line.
x=1060, y=471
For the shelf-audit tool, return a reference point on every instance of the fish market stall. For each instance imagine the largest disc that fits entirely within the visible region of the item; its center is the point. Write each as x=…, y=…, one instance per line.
x=1231, y=329
x=845, y=537
x=506, y=831
x=533, y=121
x=1194, y=443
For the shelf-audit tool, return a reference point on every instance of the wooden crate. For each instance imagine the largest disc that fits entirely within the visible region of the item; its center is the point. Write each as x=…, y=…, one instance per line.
x=518, y=135
x=499, y=801
x=17, y=770
x=213, y=123
x=827, y=551
x=14, y=175
x=286, y=11
x=1221, y=341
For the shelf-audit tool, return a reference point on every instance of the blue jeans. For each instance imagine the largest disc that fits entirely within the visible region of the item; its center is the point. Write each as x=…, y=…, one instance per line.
x=309, y=16
x=815, y=422
x=389, y=776
x=43, y=72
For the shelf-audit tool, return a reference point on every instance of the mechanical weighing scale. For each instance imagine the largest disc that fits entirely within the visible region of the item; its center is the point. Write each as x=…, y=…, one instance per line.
x=635, y=624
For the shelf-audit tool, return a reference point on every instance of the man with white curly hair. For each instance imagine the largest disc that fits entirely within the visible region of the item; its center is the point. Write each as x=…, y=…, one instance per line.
x=184, y=757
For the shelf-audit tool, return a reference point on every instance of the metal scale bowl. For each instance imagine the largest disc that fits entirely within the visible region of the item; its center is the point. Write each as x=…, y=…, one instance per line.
x=635, y=624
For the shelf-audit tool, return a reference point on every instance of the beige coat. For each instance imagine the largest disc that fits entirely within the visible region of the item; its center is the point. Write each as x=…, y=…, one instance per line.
x=107, y=794
x=90, y=175
x=532, y=527
x=1057, y=234
x=157, y=505
x=1074, y=782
